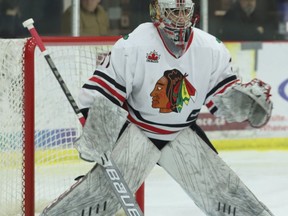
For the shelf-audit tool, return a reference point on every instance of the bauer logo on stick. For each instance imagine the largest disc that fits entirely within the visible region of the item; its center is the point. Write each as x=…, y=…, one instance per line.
x=121, y=189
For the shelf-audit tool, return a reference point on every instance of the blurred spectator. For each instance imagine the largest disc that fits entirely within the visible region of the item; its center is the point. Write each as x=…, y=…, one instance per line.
x=47, y=15
x=10, y=22
x=94, y=20
x=248, y=20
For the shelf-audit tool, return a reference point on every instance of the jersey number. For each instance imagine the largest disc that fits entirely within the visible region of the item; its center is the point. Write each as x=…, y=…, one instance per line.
x=106, y=61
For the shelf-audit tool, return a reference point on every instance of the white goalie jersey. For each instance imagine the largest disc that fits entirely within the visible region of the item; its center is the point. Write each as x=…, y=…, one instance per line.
x=163, y=94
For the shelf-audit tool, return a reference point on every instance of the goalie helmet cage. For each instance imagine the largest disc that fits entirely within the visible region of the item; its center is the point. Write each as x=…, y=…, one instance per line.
x=38, y=125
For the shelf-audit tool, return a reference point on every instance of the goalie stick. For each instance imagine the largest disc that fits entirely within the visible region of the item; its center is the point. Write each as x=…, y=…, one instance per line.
x=111, y=171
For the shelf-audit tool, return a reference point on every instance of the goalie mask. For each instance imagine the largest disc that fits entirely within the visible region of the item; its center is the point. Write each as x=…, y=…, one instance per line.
x=174, y=17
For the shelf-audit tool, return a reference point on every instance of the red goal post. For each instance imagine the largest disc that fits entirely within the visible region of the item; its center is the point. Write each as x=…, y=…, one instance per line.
x=38, y=125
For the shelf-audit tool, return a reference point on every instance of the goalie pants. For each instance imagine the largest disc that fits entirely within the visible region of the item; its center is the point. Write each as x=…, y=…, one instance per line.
x=206, y=178
x=161, y=144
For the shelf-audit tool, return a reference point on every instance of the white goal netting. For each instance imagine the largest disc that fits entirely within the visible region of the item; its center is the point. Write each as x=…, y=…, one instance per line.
x=56, y=125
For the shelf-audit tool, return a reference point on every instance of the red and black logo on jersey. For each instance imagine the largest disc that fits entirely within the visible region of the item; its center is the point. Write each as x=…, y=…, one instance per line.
x=172, y=91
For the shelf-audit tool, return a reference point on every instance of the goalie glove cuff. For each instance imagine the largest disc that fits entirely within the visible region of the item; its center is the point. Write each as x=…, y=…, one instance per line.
x=261, y=108
x=241, y=102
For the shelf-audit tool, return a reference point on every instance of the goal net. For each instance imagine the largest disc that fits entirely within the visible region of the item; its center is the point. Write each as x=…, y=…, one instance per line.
x=37, y=124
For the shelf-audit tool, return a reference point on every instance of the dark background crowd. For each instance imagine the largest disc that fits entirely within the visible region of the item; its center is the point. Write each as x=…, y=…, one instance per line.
x=229, y=20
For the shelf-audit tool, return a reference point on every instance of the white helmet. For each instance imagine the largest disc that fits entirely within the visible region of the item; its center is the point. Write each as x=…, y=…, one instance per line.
x=174, y=16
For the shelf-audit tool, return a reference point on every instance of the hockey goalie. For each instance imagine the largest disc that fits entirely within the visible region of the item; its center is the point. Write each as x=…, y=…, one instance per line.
x=146, y=96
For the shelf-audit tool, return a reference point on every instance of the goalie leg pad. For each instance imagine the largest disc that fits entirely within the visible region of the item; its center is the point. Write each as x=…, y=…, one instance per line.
x=207, y=179
x=135, y=157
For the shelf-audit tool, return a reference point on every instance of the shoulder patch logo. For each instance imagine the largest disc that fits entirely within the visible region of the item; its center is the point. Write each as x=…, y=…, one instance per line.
x=125, y=37
x=152, y=57
x=218, y=40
